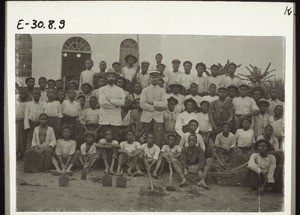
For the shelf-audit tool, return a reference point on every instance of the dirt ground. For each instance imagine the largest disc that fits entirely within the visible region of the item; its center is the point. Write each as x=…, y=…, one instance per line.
x=86, y=195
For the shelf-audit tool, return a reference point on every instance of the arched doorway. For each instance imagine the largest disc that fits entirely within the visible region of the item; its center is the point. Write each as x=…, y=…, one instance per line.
x=75, y=52
x=23, y=55
x=128, y=46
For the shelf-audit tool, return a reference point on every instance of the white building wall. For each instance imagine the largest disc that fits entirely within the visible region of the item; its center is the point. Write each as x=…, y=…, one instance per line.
x=46, y=59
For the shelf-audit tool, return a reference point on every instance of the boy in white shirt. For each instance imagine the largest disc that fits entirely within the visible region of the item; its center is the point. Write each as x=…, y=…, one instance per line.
x=88, y=151
x=215, y=78
x=193, y=126
x=176, y=90
x=130, y=71
x=65, y=155
x=245, y=139
x=212, y=90
x=274, y=101
x=202, y=80
x=128, y=154
x=87, y=75
x=262, y=119
x=151, y=154
x=187, y=78
x=194, y=95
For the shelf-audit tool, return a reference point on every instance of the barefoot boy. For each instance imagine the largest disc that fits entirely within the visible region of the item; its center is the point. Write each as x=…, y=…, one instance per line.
x=88, y=151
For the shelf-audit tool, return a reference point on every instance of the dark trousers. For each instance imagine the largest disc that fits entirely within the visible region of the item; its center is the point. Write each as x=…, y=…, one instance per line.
x=158, y=131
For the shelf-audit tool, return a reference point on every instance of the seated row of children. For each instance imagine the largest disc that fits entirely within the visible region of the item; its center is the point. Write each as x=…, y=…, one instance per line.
x=189, y=156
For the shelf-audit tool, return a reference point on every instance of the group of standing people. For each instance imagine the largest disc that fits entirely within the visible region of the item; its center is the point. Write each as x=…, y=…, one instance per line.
x=142, y=117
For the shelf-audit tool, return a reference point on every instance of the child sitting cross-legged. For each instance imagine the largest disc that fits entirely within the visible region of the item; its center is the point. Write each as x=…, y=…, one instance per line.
x=88, y=151
x=108, y=151
x=171, y=154
x=151, y=154
x=65, y=155
x=263, y=168
x=128, y=154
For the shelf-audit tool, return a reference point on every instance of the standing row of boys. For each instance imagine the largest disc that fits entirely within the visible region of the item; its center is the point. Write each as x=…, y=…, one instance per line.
x=140, y=119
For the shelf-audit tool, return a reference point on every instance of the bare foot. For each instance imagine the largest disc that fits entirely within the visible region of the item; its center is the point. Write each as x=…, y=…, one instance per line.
x=183, y=183
x=118, y=174
x=138, y=173
x=155, y=175
x=203, y=184
x=185, y=172
x=106, y=171
x=111, y=172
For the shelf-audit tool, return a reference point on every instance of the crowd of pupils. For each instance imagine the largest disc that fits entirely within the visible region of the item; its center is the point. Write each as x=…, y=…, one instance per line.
x=139, y=118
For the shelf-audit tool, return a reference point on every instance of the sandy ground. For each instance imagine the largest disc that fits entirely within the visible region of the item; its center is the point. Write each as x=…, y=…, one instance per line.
x=86, y=195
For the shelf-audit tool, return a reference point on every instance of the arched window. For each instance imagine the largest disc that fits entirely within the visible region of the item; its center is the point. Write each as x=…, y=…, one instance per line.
x=23, y=55
x=75, y=52
x=128, y=46
x=76, y=44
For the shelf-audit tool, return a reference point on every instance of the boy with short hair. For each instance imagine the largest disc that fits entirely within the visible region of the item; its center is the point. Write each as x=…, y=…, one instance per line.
x=174, y=74
x=88, y=151
x=212, y=93
x=257, y=93
x=244, y=105
x=54, y=111
x=263, y=169
x=143, y=77
x=268, y=135
x=182, y=121
x=274, y=101
x=39, y=157
x=262, y=119
x=51, y=84
x=171, y=153
x=87, y=93
x=186, y=78
x=60, y=96
x=170, y=116
x=43, y=83
x=128, y=154
x=20, y=115
x=65, y=155
x=151, y=154
x=90, y=117
x=193, y=126
x=232, y=92
x=87, y=75
x=214, y=78
x=244, y=138
x=277, y=121
x=193, y=156
x=161, y=83
x=231, y=78
x=33, y=110
x=30, y=82
x=108, y=151
x=202, y=80
x=59, y=84
x=194, y=94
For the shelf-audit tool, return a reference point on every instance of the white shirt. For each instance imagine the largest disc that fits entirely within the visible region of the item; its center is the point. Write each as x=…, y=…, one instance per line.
x=173, y=76
x=244, y=105
x=186, y=80
x=152, y=152
x=273, y=140
x=64, y=147
x=128, y=73
x=214, y=80
x=20, y=109
x=158, y=96
x=183, y=119
x=171, y=151
x=43, y=97
x=130, y=147
x=209, y=98
x=202, y=84
x=204, y=122
x=49, y=140
x=226, y=81
x=32, y=112
x=184, y=141
x=71, y=108
x=244, y=138
x=266, y=165
x=273, y=104
x=226, y=142
x=86, y=76
x=110, y=111
x=91, y=151
x=90, y=116
x=144, y=79
x=278, y=127
x=53, y=109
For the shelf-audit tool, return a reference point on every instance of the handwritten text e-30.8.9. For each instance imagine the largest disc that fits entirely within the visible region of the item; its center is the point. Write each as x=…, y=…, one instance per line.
x=50, y=24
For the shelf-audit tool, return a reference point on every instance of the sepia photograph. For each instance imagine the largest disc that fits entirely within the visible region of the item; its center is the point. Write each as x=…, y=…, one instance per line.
x=149, y=107
x=171, y=122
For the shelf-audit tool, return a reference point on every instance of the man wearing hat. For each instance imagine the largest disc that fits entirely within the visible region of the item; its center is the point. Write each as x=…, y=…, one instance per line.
x=176, y=90
x=111, y=99
x=87, y=75
x=153, y=102
x=263, y=168
x=244, y=105
x=187, y=78
x=173, y=74
x=262, y=119
x=231, y=78
x=143, y=77
x=221, y=110
x=130, y=70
